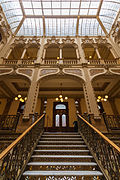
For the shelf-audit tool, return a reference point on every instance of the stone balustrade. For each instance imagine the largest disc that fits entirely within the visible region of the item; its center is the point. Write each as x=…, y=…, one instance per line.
x=104, y=62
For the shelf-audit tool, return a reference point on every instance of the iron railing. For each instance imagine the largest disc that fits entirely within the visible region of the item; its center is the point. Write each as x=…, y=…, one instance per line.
x=112, y=122
x=105, y=152
x=15, y=157
x=9, y=122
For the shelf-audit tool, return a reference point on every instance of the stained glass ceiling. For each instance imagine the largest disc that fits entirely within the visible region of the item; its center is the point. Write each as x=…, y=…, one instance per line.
x=61, y=17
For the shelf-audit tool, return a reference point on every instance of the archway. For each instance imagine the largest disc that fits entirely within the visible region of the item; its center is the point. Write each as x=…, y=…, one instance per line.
x=50, y=89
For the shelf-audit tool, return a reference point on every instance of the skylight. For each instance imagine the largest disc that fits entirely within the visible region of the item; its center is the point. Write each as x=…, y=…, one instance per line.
x=60, y=18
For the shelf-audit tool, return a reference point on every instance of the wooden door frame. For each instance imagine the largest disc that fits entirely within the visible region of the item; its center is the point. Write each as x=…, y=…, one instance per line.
x=67, y=115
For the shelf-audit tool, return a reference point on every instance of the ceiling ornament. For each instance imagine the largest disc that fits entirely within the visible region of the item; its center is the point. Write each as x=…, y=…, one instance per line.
x=34, y=42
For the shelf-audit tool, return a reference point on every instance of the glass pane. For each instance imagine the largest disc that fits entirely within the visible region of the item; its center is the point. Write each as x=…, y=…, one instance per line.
x=64, y=124
x=57, y=120
x=60, y=106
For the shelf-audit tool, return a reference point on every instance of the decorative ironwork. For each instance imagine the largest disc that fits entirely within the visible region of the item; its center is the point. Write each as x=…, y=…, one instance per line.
x=19, y=152
x=106, y=154
x=9, y=122
x=112, y=122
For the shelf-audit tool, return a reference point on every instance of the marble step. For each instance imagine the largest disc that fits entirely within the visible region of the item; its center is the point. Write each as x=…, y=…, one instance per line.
x=62, y=156
x=61, y=150
x=62, y=164
x=62, y=173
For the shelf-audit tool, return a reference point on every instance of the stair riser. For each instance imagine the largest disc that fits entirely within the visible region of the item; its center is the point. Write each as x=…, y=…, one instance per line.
x=62, y=168
x=36, y=159
x=62, y=148
x=61, y=153
x=62, y=177
x=61, y=143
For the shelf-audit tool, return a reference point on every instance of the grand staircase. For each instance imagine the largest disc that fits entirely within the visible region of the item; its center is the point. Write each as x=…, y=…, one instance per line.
x=60, y=156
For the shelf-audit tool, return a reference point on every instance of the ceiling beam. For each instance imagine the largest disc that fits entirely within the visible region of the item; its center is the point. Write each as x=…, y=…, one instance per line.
x=116, y=19
x=77, y=25
x=102, y=26
x=44, y=31
x=99, y=8
x=63, y=16
x=19, y=26
x=22, y=8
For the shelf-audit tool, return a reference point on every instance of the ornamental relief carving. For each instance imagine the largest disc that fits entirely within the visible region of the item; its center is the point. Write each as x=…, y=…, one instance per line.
x=68, y=40
x=87, y=40
x=95, y=71
x=115, y=71
x=19, y=42
x=5, y=31
x=53, y=40
x=27, y=72
x=101, y=40
x=48, y=71
x=74, y=71
x=34, y=42
x=5, y=71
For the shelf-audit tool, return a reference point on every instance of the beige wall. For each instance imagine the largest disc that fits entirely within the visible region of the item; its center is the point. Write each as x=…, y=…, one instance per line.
x=2, y=105
x=38, y=106
x=117, y=103
x=49, y=112
x=107, y=108
x=83, y=106
x=14, y=107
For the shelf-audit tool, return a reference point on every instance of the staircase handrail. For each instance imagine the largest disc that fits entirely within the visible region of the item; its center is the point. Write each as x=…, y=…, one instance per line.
x=26, y=143
x=105, y=152
x=101, y=134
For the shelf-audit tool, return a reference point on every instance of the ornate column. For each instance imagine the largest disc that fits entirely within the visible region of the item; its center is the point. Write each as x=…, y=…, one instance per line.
x=115, y=47
x=60, y=52
x=9, y=52
x=40, y=52
x=23, y=54
x=90, y=98
x=81, y=51
x=97, y=52
x=32, y=95
x=113, y=52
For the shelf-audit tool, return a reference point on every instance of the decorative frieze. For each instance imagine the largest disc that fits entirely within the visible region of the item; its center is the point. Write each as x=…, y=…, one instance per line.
x=34, y=42
x=74, y=71
x=27, y=72
x=5, y=71
x=48, y=71
x=95, y=71
x=53, y=40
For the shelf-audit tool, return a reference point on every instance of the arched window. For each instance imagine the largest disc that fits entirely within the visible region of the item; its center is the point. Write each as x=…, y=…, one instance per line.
x=60, y=106
x=57, y=120
x=64, y=120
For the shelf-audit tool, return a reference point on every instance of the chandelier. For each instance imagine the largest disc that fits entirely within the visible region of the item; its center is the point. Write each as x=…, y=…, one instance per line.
x=60, y=96
x=102, y=98
x=20, y=98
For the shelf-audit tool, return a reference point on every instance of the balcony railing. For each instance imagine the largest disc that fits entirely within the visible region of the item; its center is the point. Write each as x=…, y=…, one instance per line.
x=9, y=122
x=16, y=62
x=65, y=61
x=104, y=62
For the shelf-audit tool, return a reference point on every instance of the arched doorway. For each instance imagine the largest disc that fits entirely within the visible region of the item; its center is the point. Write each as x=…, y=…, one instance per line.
x=60, y=116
